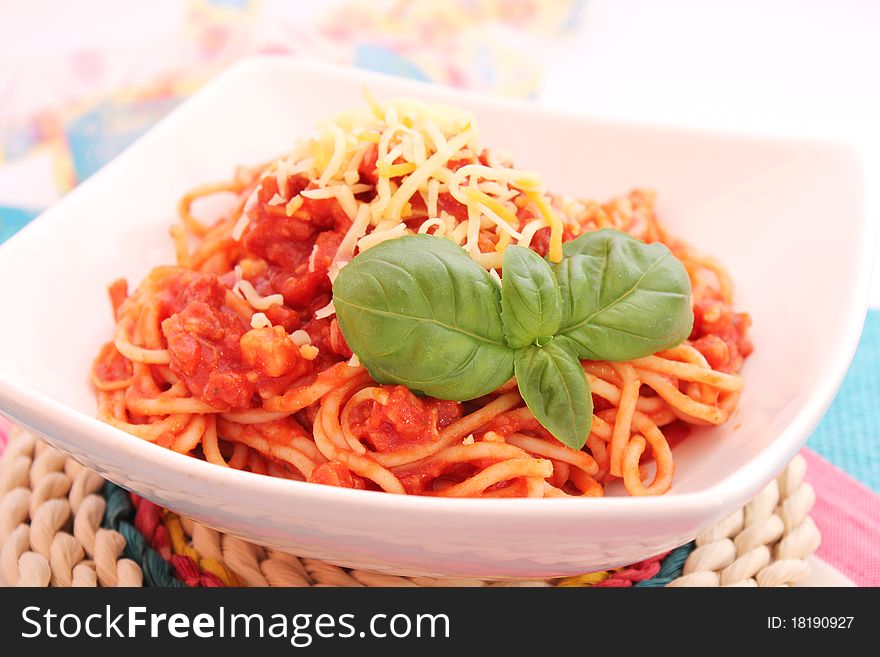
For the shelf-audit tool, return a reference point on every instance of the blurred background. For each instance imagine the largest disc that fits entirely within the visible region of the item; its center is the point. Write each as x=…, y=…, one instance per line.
x=79, y=81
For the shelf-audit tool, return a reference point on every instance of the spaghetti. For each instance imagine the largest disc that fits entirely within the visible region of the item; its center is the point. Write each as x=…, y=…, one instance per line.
x=234, y=355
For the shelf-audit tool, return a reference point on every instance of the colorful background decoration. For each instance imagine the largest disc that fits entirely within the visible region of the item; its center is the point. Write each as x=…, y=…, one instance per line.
x=72, y=99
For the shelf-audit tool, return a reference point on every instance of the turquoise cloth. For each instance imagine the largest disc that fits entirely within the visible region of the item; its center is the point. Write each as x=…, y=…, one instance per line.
x=12, y=219
x=848, y=435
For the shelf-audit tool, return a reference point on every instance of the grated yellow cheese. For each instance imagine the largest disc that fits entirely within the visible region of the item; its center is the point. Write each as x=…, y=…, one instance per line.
x=395, y=170
x=372, y=137
x=294, y=205
x=553, y=221
x=423, y=152
x=503, y=241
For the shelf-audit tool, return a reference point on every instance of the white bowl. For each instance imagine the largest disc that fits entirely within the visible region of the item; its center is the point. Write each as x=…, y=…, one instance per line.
x=785, y=215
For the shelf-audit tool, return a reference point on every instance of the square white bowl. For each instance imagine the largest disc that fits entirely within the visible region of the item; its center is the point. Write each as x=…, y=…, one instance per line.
x=785, y=215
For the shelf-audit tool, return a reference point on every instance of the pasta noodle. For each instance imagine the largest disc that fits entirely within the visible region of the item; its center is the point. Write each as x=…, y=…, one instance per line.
x=234, y=355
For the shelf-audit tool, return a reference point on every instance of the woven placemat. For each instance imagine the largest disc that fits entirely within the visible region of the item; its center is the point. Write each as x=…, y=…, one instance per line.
x=63, y=525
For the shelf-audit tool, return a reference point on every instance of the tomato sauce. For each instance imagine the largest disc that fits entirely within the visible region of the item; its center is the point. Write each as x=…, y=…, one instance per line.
x=721, y=335
x=214, y=351
x=367, y=169
x=506, y=424
x=403, y=420
x=223, y=361
x=110, y=366
x=334, y=473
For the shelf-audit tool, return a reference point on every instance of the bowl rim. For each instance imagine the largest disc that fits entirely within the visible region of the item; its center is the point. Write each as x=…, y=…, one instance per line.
x=738, y=485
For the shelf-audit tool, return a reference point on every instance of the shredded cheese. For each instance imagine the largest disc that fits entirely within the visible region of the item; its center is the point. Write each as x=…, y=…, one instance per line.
x=371, y=137
x=503, y=242
x=326, y=311
x=529, y=232
x=319, y=193
x=428, y=223
x=282, y=176
x=293, y=205
x=425, y=156
x=433, y=196
x=351, y=176
x=358, y=229
x=395, y=170
x=337, y=157
x=473, y=229
x=420, y=176
x=488, y=260
x=312, y=256
x=379, y=236
x=246, y=291
x=492, y=215
x=300, y=337
x=345, y=196
x=334, y=269
x=259, y=320
x=460, y=232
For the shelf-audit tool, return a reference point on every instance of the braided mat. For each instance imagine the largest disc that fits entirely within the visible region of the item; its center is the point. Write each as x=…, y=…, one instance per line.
x=63, y=525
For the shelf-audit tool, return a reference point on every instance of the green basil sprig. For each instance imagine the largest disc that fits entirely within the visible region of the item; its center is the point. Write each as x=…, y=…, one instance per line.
x=622, y=298
x=418, y=311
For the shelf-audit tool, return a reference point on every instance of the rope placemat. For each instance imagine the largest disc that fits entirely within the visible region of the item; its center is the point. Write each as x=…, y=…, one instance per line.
x=63, y=525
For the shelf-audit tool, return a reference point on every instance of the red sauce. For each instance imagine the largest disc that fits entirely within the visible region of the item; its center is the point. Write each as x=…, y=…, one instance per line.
x=432, y=476
x=367, y=169
x=214, y=351
x=506, y=424
x=304, y=288
x=676, y=431
x=721, y=335
x=283, y=240
x=446, y=203
x=405, y=420
x=118, y=292
x=110, y=366
x=334, y=473
x=203, y=339
x=600, y=404
x=416, y=480
x=327, y=337
x=540, y=243
x=271, y=234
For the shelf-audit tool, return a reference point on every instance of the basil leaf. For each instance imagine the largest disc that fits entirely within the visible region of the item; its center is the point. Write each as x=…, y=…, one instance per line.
x=554, y=387
x=531, y=306
x=420, y=312
x=622, y=298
